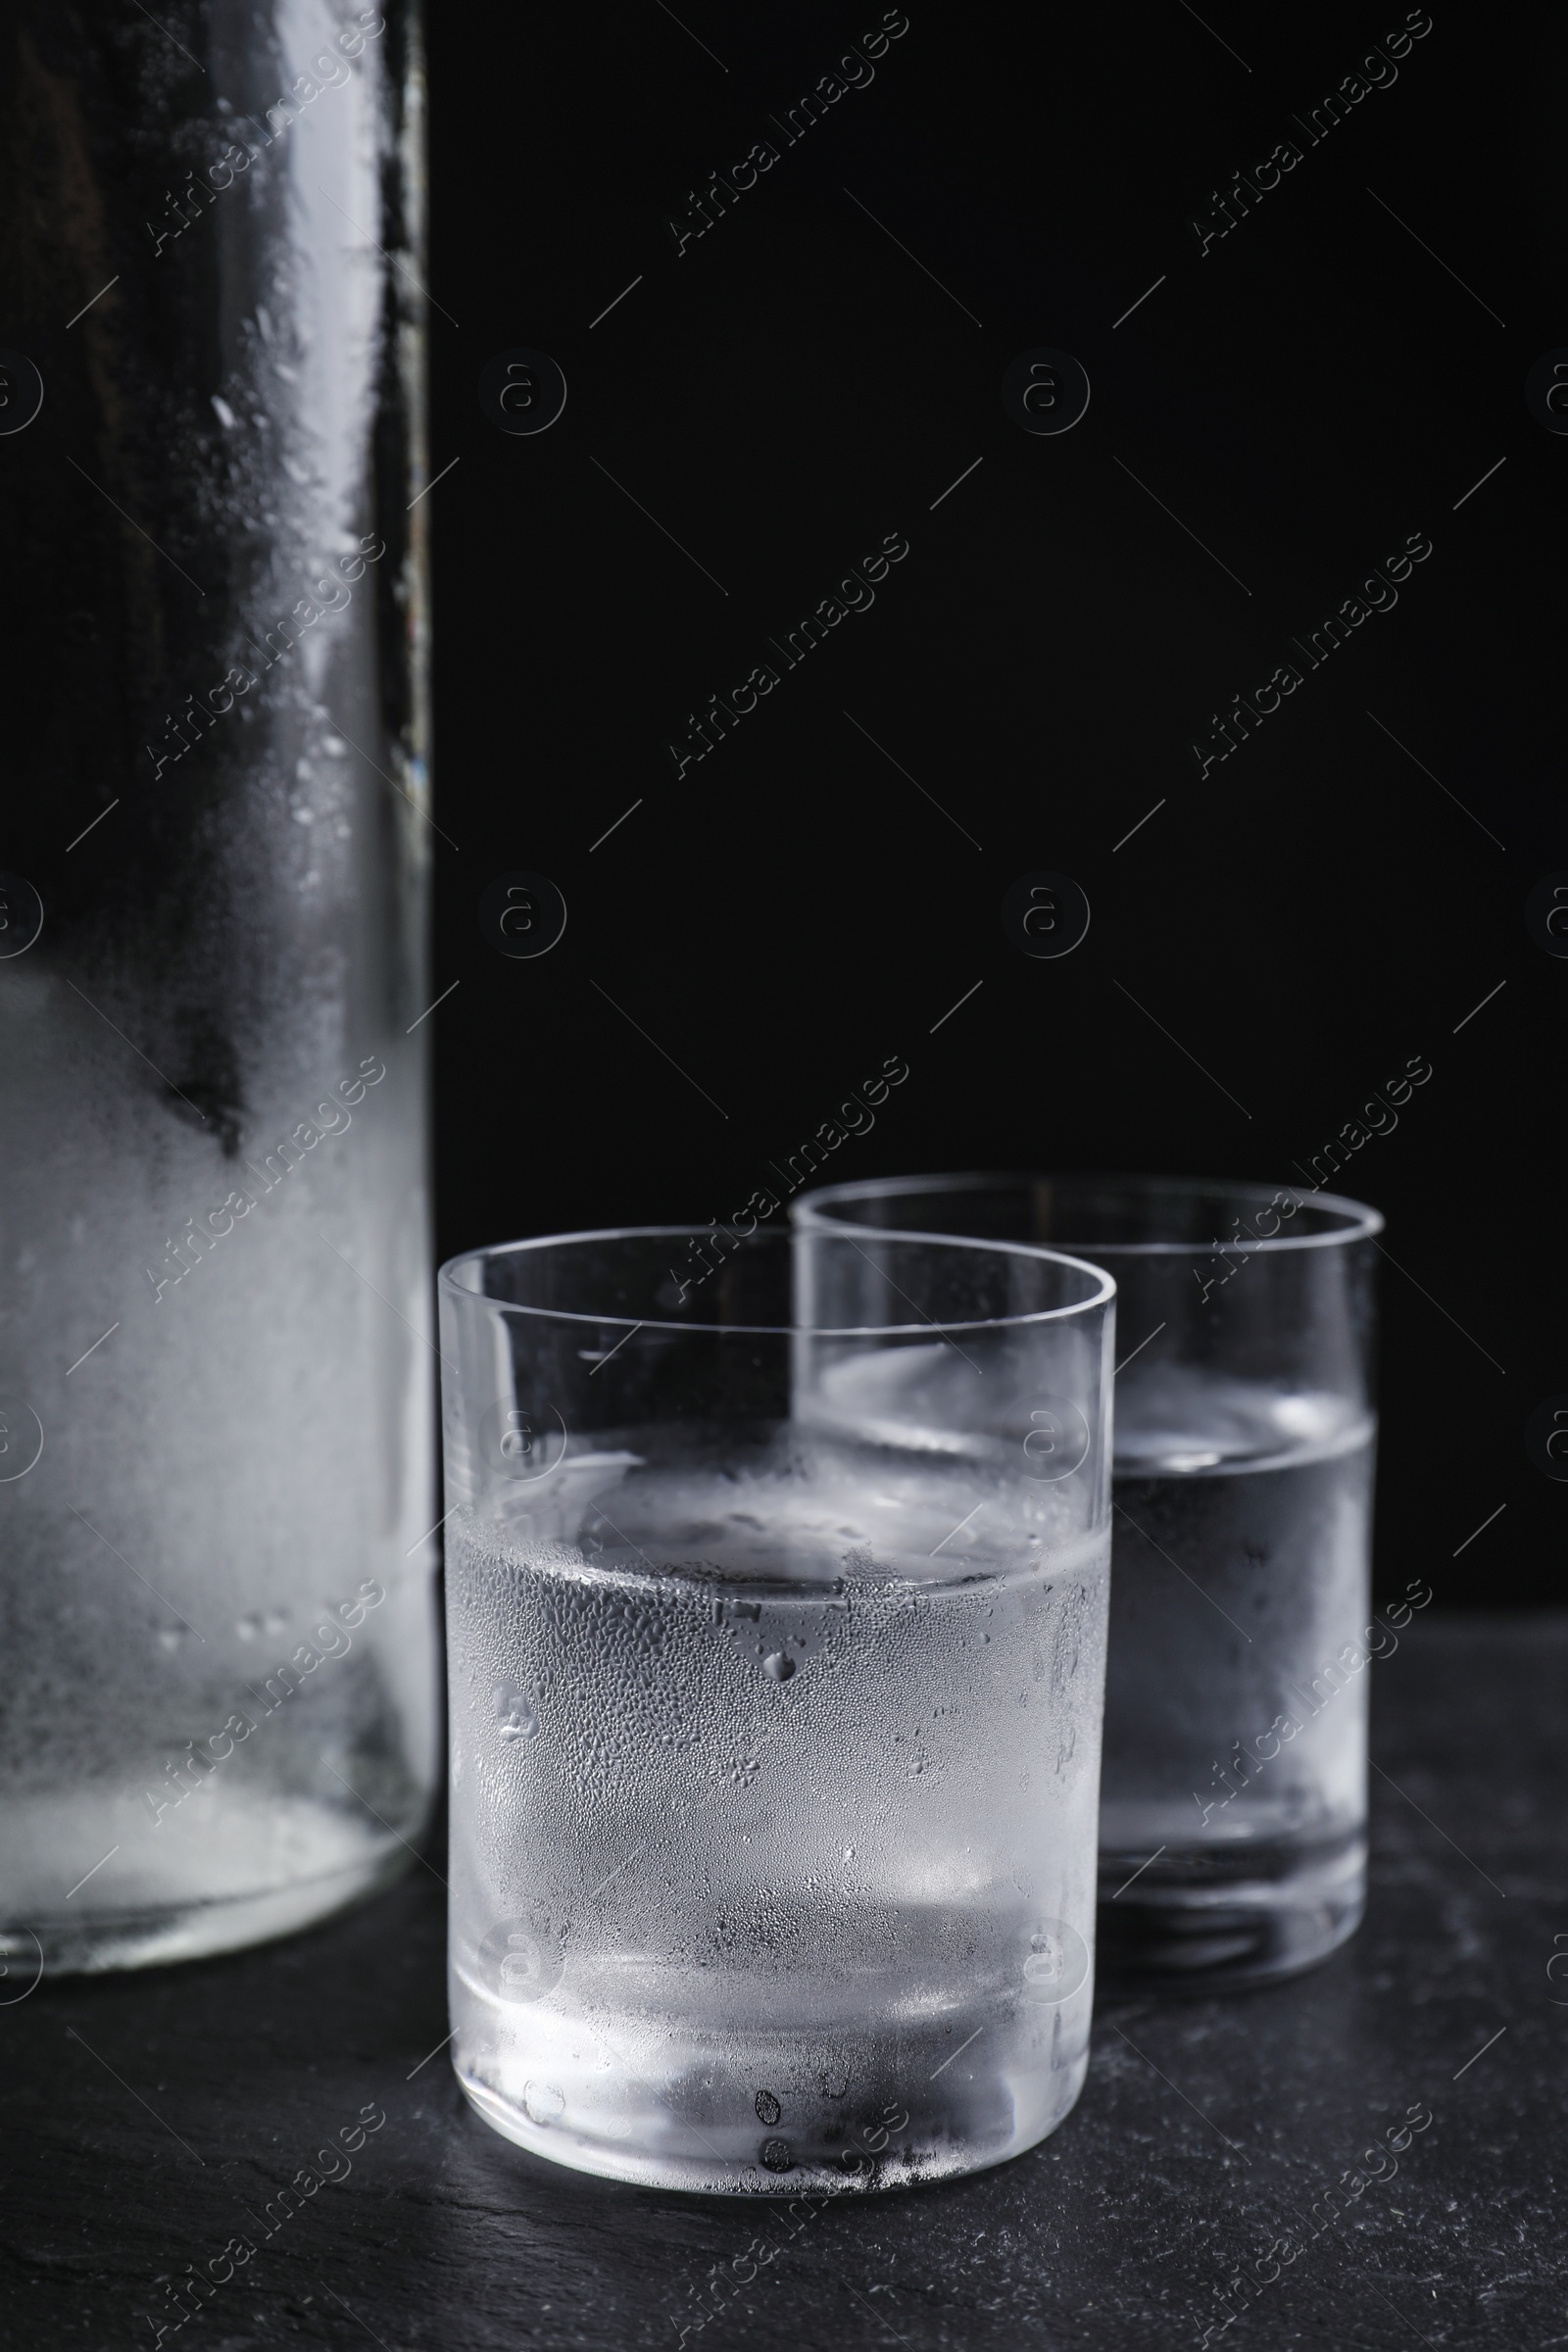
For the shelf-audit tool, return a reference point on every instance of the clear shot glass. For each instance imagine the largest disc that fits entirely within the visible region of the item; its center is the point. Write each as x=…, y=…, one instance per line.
x=776, y=1589
x=1233, y=1796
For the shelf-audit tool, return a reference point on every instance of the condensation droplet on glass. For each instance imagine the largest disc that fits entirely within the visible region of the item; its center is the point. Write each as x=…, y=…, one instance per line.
x=542, y=2102
x=514, y=1716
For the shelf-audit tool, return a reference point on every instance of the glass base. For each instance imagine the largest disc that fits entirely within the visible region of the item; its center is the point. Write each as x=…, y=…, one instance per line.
x=707, y=2132
x=1211, y=1920
x=156, y=1938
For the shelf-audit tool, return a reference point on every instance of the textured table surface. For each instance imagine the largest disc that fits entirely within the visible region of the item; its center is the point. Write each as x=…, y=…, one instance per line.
x=145, y=2118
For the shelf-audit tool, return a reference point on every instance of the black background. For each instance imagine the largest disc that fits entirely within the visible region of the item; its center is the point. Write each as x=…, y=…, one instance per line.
x=1287, y=931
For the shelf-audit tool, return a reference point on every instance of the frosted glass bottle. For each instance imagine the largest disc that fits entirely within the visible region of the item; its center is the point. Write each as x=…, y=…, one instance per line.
x=219, y=1709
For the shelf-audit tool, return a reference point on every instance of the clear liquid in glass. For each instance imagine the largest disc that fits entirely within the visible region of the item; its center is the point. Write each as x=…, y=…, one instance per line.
x=1235, y=1747
x=775, y=1832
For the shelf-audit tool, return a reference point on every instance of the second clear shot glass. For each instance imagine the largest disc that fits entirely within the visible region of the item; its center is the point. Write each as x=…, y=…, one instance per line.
x=1233, y=1787
x=776, y=1579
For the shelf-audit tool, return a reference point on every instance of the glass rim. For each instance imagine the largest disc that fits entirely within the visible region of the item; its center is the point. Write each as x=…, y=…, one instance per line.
x=1102, y=1294
x=1361, y=1222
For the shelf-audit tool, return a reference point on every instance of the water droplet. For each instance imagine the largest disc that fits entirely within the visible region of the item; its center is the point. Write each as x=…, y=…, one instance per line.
x=779, y=1666
x=768, y=2108
x=513, y=1714
x=542, y=2102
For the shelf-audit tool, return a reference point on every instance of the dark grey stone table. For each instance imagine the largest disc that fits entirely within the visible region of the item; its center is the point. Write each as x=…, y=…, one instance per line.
x=1220, y=2161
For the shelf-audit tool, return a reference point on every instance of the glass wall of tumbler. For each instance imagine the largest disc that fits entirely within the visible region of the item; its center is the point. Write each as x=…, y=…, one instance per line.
x=776, y=1657
x=219, y=1714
